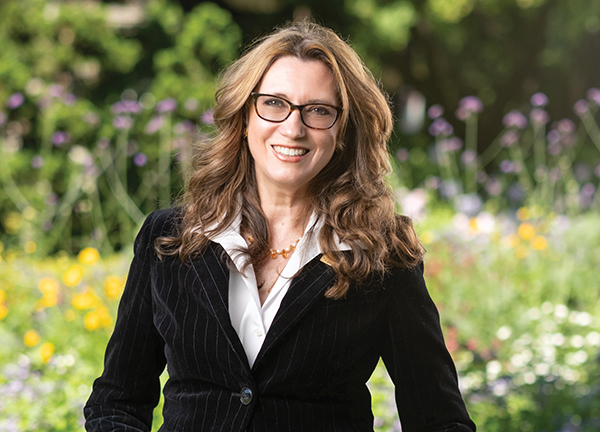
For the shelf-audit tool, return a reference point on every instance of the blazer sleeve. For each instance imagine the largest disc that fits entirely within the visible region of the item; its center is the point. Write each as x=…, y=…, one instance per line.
x=124, y=396
x=415, y=355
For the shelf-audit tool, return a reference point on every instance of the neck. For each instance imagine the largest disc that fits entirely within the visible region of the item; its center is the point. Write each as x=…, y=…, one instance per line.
x=287, y=215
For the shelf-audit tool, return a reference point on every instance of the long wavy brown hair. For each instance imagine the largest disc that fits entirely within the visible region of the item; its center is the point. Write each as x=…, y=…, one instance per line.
x=350, y=194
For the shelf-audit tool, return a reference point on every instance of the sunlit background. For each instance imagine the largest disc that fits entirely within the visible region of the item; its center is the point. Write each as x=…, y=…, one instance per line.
x=496, y=156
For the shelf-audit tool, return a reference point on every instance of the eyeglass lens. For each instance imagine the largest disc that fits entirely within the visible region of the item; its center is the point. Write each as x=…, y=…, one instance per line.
x=275, y=109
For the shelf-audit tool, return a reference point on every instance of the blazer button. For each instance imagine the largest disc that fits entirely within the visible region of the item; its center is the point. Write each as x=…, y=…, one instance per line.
x=246, y=396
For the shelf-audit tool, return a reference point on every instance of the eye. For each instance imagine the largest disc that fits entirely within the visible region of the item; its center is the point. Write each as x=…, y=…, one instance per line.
x=319, y=110
x=273, y=102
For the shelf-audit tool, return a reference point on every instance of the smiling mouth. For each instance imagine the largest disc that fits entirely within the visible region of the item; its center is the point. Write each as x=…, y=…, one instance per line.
x=286, y=151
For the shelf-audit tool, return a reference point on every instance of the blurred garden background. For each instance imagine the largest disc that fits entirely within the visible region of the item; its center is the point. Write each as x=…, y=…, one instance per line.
x=496, y=156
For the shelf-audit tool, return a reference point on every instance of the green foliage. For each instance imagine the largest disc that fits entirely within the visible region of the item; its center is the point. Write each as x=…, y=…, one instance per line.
x=96, y=122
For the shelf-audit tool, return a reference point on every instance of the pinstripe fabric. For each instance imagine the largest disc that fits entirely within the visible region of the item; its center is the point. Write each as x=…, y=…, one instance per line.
x=311, y=372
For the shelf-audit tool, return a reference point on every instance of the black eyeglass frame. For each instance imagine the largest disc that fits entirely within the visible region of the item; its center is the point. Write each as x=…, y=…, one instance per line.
x=255, y=96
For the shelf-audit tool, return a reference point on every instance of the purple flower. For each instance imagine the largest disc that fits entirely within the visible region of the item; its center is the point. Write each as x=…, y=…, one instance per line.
x=166, y=105
x=51, y=198
x=467, y=106
x=588, y=189
x=554, y=148
x=183, y=127
x=494, y=187
x=553, y=136
x=582, y=172
x=555, y=174
x=126, y=106
x=69, y=99
x=60, y=137
x=566, y=126
x=506, y=166
x=91, y=169
x=440, y=127
x=140, y=159
x=91, y=118
x=103, y=143
x=450, y=144
x=539, y=117
x=469, y=204
x=515, y=119
x=15, y=101
x=123, y=122
x=581, y=107
x=509, y=138
x=207, y=117
x=3, y=118
x=468, y=157
x=593, y=95
x=154, y=125
x=37, y=162
x=435, y=111
x=539, y=100
x=402, y=155
x=55, y=90
x=191, y=104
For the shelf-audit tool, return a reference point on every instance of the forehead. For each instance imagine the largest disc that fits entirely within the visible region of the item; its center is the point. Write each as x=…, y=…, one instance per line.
x=299, y=80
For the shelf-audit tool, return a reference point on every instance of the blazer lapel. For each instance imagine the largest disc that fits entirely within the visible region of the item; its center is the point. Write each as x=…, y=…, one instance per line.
x=305, y=289
x=212, y=274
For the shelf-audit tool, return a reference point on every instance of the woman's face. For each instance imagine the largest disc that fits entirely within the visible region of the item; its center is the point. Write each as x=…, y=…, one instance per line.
x=288, y=155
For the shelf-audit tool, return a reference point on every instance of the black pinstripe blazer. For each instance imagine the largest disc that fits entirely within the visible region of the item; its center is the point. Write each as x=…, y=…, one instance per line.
x=310, y=373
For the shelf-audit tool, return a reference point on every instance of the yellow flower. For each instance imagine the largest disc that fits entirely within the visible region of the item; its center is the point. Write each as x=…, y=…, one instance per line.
x=31, y=338
x=521, y=252
x=511, y=240
x=88, y=256
x=523, y=214
x=91, y=321
x=526, y=231
x=473, y=225
x=48, y=286
x=46, y=352
x=85, y=300
x=3, y=311
x=97, y=318
x=427, y=237
x=48, y=300
x=69, y=315
x=12, y=222
x=539, y=243
x=113, y=286
x=30, y=247
x=2, y=296
x=73, y=275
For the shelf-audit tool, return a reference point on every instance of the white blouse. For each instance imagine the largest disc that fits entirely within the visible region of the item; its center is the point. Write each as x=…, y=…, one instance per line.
x=251, y=320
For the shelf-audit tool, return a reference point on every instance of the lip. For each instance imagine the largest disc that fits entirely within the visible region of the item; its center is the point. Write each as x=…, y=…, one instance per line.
x=289, y=158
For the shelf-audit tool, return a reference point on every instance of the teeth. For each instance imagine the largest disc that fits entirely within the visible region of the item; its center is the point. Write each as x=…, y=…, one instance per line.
x=289, y=151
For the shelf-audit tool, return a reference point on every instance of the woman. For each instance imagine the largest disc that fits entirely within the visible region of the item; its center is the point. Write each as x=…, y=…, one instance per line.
x=271, y=294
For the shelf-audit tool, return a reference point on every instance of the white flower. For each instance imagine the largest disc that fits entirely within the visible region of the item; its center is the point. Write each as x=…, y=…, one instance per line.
x=503, y=333
x=493, y=369
x=593, y=338
x=561, y=311
x=577, y=341
x=547, y=308
x=542, y=369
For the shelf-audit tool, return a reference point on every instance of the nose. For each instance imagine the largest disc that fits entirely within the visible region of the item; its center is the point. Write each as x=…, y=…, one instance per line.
x=293, y=127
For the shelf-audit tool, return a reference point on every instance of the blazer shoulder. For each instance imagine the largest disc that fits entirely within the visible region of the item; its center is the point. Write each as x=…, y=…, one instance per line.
x=157, y=224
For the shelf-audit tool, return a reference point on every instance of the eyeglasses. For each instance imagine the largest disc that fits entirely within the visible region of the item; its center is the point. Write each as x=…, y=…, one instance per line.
x=277, y=109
